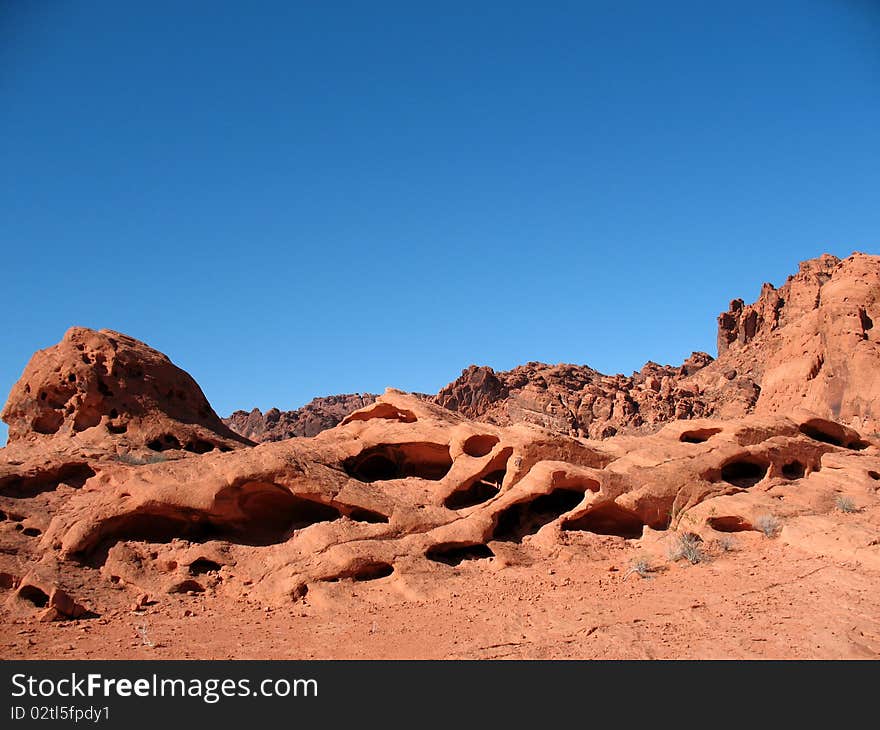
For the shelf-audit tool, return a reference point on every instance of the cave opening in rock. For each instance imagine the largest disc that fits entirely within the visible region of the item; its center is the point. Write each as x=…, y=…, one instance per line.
x=255, y=514
x=484, y=485
x=819, y=434
x=361, y=514
x=793, y=470
x=699, y=435
x=454, y=553
x=164, y=443
x=34, y=595
x=371, y=570
x=267, y=514
x=729, y=523
x=384, y=411
x=744, y=473
x=608, y=519
x=479, y=445
x=526, y=518
x=187, y=585
x=832, y=433
x=22, y=487
x=201, y=566
x=198, y=446
x=399, y=461
x=480, y=490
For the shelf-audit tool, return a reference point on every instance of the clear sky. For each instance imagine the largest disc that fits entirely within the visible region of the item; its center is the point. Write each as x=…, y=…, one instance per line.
x=297, y=199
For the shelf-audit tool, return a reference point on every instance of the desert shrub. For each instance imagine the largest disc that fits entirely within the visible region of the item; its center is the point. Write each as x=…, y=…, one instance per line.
x=768, y=525
x=135, y=460
x=640, y=566
x=845, y=504
x=686, y=546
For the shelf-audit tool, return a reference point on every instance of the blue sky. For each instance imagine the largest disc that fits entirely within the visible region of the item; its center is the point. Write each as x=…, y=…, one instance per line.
x=297, y=199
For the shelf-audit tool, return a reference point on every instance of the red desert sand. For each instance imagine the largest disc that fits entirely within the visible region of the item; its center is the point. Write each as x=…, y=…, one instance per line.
x=726, y=508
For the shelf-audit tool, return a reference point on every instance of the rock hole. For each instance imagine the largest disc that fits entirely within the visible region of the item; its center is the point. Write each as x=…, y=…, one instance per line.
x=48, y=422
x=479, y=445
x=32, y=531
x=608, y=519
x=117, y=428
x=148, y=526
x=21, y=487
x=484, y=485
x=164, y=443
x=699, y=435
x=480, y=490
x=526, y=518
x=371, y=570
x=202, y=566
x=832, y=433
x=300, y=592
x=360, y=514
x=867, y=322
x=7, y=580
x=34, y=595
x=454, y=553
x=185, y=586
x=199, y=446
x=728, y=523
x=382, y=410
x=744, y=473
x=103, y=389
x=793, y=470
x=399, y=461
x=71, y=378
x=255, y=514
x=874, y=475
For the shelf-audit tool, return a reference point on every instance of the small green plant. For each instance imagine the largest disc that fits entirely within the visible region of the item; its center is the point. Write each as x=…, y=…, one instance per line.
x=686, y=546
x=768, y=525
x=845, y=504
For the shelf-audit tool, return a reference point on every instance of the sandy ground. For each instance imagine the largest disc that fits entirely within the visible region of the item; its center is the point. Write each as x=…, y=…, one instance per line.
x=764, y=599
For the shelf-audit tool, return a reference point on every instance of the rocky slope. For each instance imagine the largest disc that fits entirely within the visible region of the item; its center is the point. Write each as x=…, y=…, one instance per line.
x=314, y=417
x=811, y=343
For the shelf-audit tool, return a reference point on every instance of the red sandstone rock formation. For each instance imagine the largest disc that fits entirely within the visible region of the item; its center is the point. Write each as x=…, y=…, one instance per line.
x=809, y=344
x=105, y=389
x=106, y=501
x=314, y=417
x=403, y=488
